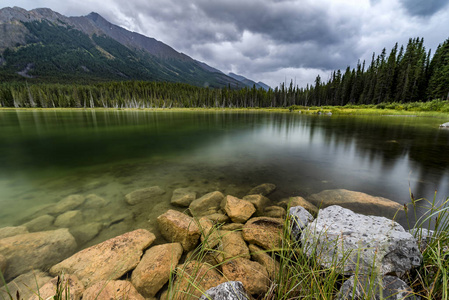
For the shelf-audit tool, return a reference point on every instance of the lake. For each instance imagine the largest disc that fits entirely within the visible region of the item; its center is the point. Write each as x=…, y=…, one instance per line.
x=48, y=155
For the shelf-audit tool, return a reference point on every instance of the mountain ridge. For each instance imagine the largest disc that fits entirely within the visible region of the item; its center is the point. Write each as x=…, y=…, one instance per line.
x=96, y=41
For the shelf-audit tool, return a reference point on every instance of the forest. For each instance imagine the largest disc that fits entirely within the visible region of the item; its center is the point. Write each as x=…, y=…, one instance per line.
x=405, y=75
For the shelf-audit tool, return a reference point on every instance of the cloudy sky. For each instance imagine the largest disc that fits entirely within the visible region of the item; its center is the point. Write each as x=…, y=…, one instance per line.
x=271, y=40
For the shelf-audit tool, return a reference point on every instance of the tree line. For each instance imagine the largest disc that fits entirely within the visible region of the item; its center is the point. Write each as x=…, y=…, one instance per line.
x=406, y=74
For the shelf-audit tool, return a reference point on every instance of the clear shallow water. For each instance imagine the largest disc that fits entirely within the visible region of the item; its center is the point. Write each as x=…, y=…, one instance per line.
x=47, y=155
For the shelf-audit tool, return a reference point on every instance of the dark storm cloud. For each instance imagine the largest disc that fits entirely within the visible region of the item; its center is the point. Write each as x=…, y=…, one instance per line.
x=423, y=8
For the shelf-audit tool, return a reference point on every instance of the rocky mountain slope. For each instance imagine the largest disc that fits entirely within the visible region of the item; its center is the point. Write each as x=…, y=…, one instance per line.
x=44, y=46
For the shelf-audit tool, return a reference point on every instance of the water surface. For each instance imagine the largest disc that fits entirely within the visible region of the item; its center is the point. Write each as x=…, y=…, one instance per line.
x=47, y=155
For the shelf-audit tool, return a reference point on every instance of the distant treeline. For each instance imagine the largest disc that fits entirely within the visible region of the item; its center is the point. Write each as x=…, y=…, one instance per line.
x=404, y=76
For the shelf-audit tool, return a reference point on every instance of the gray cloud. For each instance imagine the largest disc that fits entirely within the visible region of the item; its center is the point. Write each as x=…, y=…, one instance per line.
x=423, y=8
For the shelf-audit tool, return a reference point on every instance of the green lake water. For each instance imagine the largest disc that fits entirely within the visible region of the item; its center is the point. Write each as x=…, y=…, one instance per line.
x=48, y=155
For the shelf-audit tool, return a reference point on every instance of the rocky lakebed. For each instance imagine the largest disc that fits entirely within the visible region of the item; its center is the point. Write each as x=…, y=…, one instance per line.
x=62, y=240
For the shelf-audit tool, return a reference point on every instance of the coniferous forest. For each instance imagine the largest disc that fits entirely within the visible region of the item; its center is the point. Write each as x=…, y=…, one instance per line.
x=406, y=74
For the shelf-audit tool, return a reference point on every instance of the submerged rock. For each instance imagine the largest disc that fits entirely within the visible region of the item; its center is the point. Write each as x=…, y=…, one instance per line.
x=67, y=282
x=153, y=271
x=183, y=197
x=38, y=250
x=139, y=196
x=94, y=201
x=263, y=189
x=69, y=219
x=263, y=231
x=41, y=223
x=231, y=290
x=361, y=242
x=68, y=203
x=206, y=205
x=26, y=284
x=86, y=232
x=274, y=212
x=390, y=288
x=112, y=289
x=12, y=231
x=238, y=210
x=357, y=202
x=108, y=260
x=178, y=227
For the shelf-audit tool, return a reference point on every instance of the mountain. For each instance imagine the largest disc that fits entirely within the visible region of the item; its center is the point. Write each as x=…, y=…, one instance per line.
x=249, y=82
x=41, y=45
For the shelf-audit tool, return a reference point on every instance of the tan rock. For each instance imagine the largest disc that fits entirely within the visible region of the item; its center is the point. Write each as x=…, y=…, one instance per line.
x=299, y=201
x=202, y=256
x=263, y=189
x=108, y=260
x=139, y=196
x=357, y=202
x=252, y=274
x=26, y=285
x=94, y=201
x=69, y=219
x=153, y=271
x=232, y=246
x=2, y=264
x=210, y=235
x=275, y=212
x=218, y=218
x=38, y=250
x=193, y=279
x=263, y=231
x=263, y=258
x=68, y=203
x=232, y=227
x=112, y=289
x=206, y=205
x=259, y=202
x=41, y=223
x=178, y=227
x=238, y=210
x=182, y=197
x=12, y=231
x=70, y=285
x=86, y=232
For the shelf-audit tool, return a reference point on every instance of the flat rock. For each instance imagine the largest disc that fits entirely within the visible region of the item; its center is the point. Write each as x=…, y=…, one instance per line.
x=231, y=290
x=2, y=264
x=94, y=201
x=263, y=231
x=391, y=288
x=252, y=274
x=274, y=212
x=263, y=189
x=86, y=232
x=299, y=219
x=238, y=210
x=194, y=278
x=67, y=283
x=69, y=219
x=68, y=203
x=177, y=227
x=26, y=284
x=153, y=271
x=41, y=223
x=357, y=202
x=232, y=245
x=263, y=258
x=38, y=250
x=299, y=201
x=108, y=260
x=259, y=202
x=376, y=242
x=206, y=205
x=112, y=289
x=142, y=195
x=182, y=197
x=12, y=231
